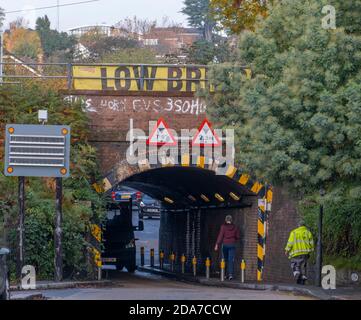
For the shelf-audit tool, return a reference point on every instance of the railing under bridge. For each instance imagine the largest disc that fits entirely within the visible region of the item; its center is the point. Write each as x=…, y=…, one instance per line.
x=114, y=77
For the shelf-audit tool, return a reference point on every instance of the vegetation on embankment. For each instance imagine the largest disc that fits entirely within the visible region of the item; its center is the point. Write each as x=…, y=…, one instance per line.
x=297, y=121
x=81, y=204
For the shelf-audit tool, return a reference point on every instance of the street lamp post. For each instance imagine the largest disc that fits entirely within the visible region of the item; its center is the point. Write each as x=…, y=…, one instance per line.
x=1, y=54
x=319, y=243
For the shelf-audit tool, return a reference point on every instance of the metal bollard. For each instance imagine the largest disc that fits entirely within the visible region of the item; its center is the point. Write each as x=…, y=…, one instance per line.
x=208, y=265
x=152, y=258
x=223, y=268
x=172, y=260
x=243, y=268
x=161, y=259
x=183, y=263
x=142, y=256
x=194, y=263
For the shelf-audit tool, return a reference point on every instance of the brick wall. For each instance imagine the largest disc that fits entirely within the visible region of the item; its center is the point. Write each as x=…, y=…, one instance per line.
x=109, y=125
x=283, y=218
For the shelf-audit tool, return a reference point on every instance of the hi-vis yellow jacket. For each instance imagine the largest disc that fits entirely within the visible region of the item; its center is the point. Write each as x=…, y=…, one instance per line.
x=299, y=242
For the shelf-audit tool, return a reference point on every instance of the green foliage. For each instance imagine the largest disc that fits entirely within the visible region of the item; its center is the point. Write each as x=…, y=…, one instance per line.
x=342, y=223
x=101, y=46
x=297, y=121
x=81, y=204
x=205, y=52
x=53, y=41
x=348, y=13
x=199, y=16
x=130, y=55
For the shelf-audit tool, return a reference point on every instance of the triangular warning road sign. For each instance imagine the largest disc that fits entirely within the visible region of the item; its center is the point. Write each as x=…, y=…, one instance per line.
x=206, y=137
x=161, y=135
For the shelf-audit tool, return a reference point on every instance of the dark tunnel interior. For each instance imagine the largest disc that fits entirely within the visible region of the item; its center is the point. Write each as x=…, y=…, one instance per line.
x=181, y=188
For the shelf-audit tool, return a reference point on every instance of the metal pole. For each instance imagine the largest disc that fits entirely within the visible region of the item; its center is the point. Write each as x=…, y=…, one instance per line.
x=223, y=267
x=172, y=260
x=1, y=54
x=208, y=265
x=20, y=253
x=142, y=256
x=243, y=268
x=58, y=230
x=161, y=259
x=152, y=258
x=183, y=263
x=319, y=248
x=194, y=262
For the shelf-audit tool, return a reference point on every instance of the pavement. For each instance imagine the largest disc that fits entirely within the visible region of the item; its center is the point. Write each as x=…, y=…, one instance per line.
x=341, y=293
x=146, y=286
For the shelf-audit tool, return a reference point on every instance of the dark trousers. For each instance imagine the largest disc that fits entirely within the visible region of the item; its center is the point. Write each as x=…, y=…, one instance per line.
x=299, y=267
x=229, y=251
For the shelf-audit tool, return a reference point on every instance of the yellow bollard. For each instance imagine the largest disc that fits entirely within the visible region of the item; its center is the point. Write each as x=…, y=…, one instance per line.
x=194, y=263
x=142, y=256
x=223, y=267
x=243, y=268
x=208, y=265
x=161, y=259
x=183, y=262
x=172, y=259
x=152, y=258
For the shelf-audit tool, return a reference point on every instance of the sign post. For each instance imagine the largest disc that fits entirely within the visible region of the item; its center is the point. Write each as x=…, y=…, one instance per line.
x=38, y=151
x=20, y=253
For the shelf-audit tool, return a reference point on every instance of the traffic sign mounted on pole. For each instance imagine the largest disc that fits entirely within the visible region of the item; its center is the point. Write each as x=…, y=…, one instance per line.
x=206, y=137
x=161, y=136
x=37, y=151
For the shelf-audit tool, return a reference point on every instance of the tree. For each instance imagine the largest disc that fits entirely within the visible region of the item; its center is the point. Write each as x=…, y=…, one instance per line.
x=52, y=41
x=348, y=13
x=23, y=42
x=130, y=55
x=238, y=15
x=20, y=104
x=136, y=26
x=297, y=119
x=100, y=45
x=199, y=16
x=205, y=52
x=2, y=16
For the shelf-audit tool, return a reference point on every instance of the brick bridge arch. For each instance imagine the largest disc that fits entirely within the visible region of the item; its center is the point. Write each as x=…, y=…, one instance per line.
x=221, y=187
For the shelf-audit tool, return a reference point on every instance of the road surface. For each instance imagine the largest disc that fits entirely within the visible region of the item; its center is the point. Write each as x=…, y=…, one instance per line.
x=149, y=238
x=143, y=286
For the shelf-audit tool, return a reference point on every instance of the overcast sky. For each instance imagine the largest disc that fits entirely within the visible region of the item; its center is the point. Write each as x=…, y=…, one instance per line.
x=103, y=11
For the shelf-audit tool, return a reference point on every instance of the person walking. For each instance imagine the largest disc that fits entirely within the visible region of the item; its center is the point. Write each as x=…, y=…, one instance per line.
x=228, y=237
x=299, y=246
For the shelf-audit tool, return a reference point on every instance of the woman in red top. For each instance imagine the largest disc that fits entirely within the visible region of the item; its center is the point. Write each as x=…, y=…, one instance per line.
x=228, y=236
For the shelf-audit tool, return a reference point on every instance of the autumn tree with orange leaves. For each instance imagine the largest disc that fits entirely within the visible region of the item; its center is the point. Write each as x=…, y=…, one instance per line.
x=238, y=15
x=23, y=42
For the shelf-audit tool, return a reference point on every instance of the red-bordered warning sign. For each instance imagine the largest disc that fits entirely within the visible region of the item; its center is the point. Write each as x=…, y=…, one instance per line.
x=206, y=137
x=161, y=136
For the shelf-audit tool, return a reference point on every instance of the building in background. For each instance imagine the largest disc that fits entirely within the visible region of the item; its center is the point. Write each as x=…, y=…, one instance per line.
x=170, y=40
x=107, y=30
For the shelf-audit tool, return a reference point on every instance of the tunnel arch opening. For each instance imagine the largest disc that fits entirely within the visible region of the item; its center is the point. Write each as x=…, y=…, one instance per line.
x=197, y=194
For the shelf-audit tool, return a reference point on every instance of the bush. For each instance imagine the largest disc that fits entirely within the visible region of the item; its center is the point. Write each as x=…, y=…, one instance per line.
x=81, y=204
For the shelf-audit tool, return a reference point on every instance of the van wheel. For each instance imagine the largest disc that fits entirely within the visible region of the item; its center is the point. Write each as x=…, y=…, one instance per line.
x=131, y=268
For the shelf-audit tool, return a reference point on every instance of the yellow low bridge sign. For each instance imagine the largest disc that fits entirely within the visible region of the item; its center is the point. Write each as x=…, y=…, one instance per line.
x=157, y=78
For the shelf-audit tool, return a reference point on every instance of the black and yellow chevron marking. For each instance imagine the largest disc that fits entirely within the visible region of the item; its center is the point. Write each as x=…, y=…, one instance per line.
x=192, y=160
x=260, y=240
